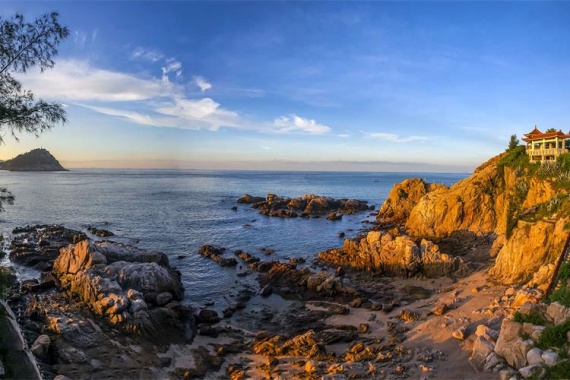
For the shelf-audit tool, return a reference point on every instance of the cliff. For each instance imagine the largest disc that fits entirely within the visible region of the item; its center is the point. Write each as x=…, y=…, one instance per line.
x=34, y=160
x=525, y=205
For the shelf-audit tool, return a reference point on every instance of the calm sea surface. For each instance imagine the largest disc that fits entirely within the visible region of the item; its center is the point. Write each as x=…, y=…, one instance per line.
x=177, y=211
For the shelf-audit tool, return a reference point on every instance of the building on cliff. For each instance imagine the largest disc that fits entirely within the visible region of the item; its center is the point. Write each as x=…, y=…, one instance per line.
x=542, y=147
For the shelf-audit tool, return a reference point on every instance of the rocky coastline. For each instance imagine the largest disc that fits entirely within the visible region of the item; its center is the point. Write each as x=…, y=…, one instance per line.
x=445, y=285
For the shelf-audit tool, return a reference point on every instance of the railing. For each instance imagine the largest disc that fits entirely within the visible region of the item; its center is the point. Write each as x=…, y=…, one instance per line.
x=546, y=152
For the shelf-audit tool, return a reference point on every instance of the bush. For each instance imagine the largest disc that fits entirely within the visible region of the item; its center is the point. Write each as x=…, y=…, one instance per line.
x=7, y=279
x=534, y=318
x=564, y=272
x=561, y=295
x=560, y=370
x=554, y=336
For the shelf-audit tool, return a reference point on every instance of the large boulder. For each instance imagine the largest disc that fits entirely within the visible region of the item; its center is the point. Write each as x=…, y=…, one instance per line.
x=130, y=287
x=511, y=346
x=393, y=253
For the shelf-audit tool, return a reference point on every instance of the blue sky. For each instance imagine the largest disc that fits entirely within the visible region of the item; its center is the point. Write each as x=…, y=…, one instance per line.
x=376, y=86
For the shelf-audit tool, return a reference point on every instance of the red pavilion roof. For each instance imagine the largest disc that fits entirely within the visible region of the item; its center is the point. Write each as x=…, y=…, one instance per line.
x=535, y=134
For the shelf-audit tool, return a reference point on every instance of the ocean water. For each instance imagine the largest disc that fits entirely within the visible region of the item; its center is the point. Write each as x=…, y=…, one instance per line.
x=177, y=211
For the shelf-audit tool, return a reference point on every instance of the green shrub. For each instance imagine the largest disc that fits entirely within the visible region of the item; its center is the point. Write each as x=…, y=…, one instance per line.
x=554, y=336
x=534, y=318
x=564, y=272
x=7, y=279
x=560, y=370
x=561, y=295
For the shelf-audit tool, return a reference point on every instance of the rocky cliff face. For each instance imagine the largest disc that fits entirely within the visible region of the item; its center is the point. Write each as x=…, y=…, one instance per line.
x=402, y=199
x=495, y=199
x=531, y=246
x=34, y=160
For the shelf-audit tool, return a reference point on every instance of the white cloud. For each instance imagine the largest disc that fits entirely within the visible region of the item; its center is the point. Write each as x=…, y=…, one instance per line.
x=202, y=83
x=394, y=137
x=295, y=123
x=79, y=81
x=147, y=54
x=94, y=34
x=172, y=66
x=344, y=135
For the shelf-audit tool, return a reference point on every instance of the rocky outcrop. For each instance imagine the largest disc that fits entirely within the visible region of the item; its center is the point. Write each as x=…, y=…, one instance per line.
x=531, y=247
x=123, y=284
x=34, y=160
x=402, y=199
x=309, y=205
x=391, y=253
x=38, y=246
x=486, y=202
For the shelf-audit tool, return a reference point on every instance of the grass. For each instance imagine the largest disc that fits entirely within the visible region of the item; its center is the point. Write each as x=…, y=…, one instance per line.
x=561, y=295
x=560, y=370
x=534, y=318
x=554, y=336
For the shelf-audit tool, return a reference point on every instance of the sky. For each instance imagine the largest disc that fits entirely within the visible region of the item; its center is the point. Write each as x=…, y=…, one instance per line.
x=361, y=86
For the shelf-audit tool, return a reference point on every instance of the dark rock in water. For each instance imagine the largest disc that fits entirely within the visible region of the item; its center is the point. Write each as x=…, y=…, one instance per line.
x=34, y=160
x=208, y=316
x=306, y=206
x=246, y=257
x=266, y=291
x=334, y=216
x=248, y=199
x=234, y=208
x=215, y=253
x=341, y=235
x=99, y=232
x=267, y=251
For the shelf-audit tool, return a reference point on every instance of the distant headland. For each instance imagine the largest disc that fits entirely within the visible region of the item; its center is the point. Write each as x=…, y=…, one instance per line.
x=39, y=160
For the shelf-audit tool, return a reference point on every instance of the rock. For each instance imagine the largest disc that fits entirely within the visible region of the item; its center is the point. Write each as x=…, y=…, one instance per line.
x=534, y=357
x=407, y=315
x=248, y=199
x=41, y=346
x=506, y=374
x=306, y=345
x=163, y=298
x=334, y=216
x=208, y=316
x=99, y=232
x=215, y=253
x=526, y=296
x=529, y=371
x=550, y=358
x=510, y=344
x=339, y=272
x=393, y=253
x=356, y=303
x=487, y=333
x=460, y=333
x=557, y=313
x=534, y=331
x=531, y=246
x=363, y=328
x=481, y=349
x=493, y=362
x=266, y=291
x=440, y=309
x=310, y=366
x=402, y=199
x=121, y=283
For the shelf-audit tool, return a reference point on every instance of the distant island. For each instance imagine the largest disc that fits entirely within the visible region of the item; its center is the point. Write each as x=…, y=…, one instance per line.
x=39, y=160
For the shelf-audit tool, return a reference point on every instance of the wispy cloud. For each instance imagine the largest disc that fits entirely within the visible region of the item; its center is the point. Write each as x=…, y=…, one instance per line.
x=392, y=137
x=79, y=37
x=296, y=123
x=151, y=101
x=79, y=81
x=202, y=83
x=147, y=54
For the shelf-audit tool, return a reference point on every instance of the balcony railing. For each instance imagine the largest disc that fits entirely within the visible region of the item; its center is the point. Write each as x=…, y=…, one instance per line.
x=545, y=152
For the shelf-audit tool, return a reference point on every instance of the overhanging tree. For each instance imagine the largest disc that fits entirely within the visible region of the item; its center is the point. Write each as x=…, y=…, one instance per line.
x=24, y=45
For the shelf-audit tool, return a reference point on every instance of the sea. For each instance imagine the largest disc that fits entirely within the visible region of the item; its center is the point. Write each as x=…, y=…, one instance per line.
x=177, y=211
